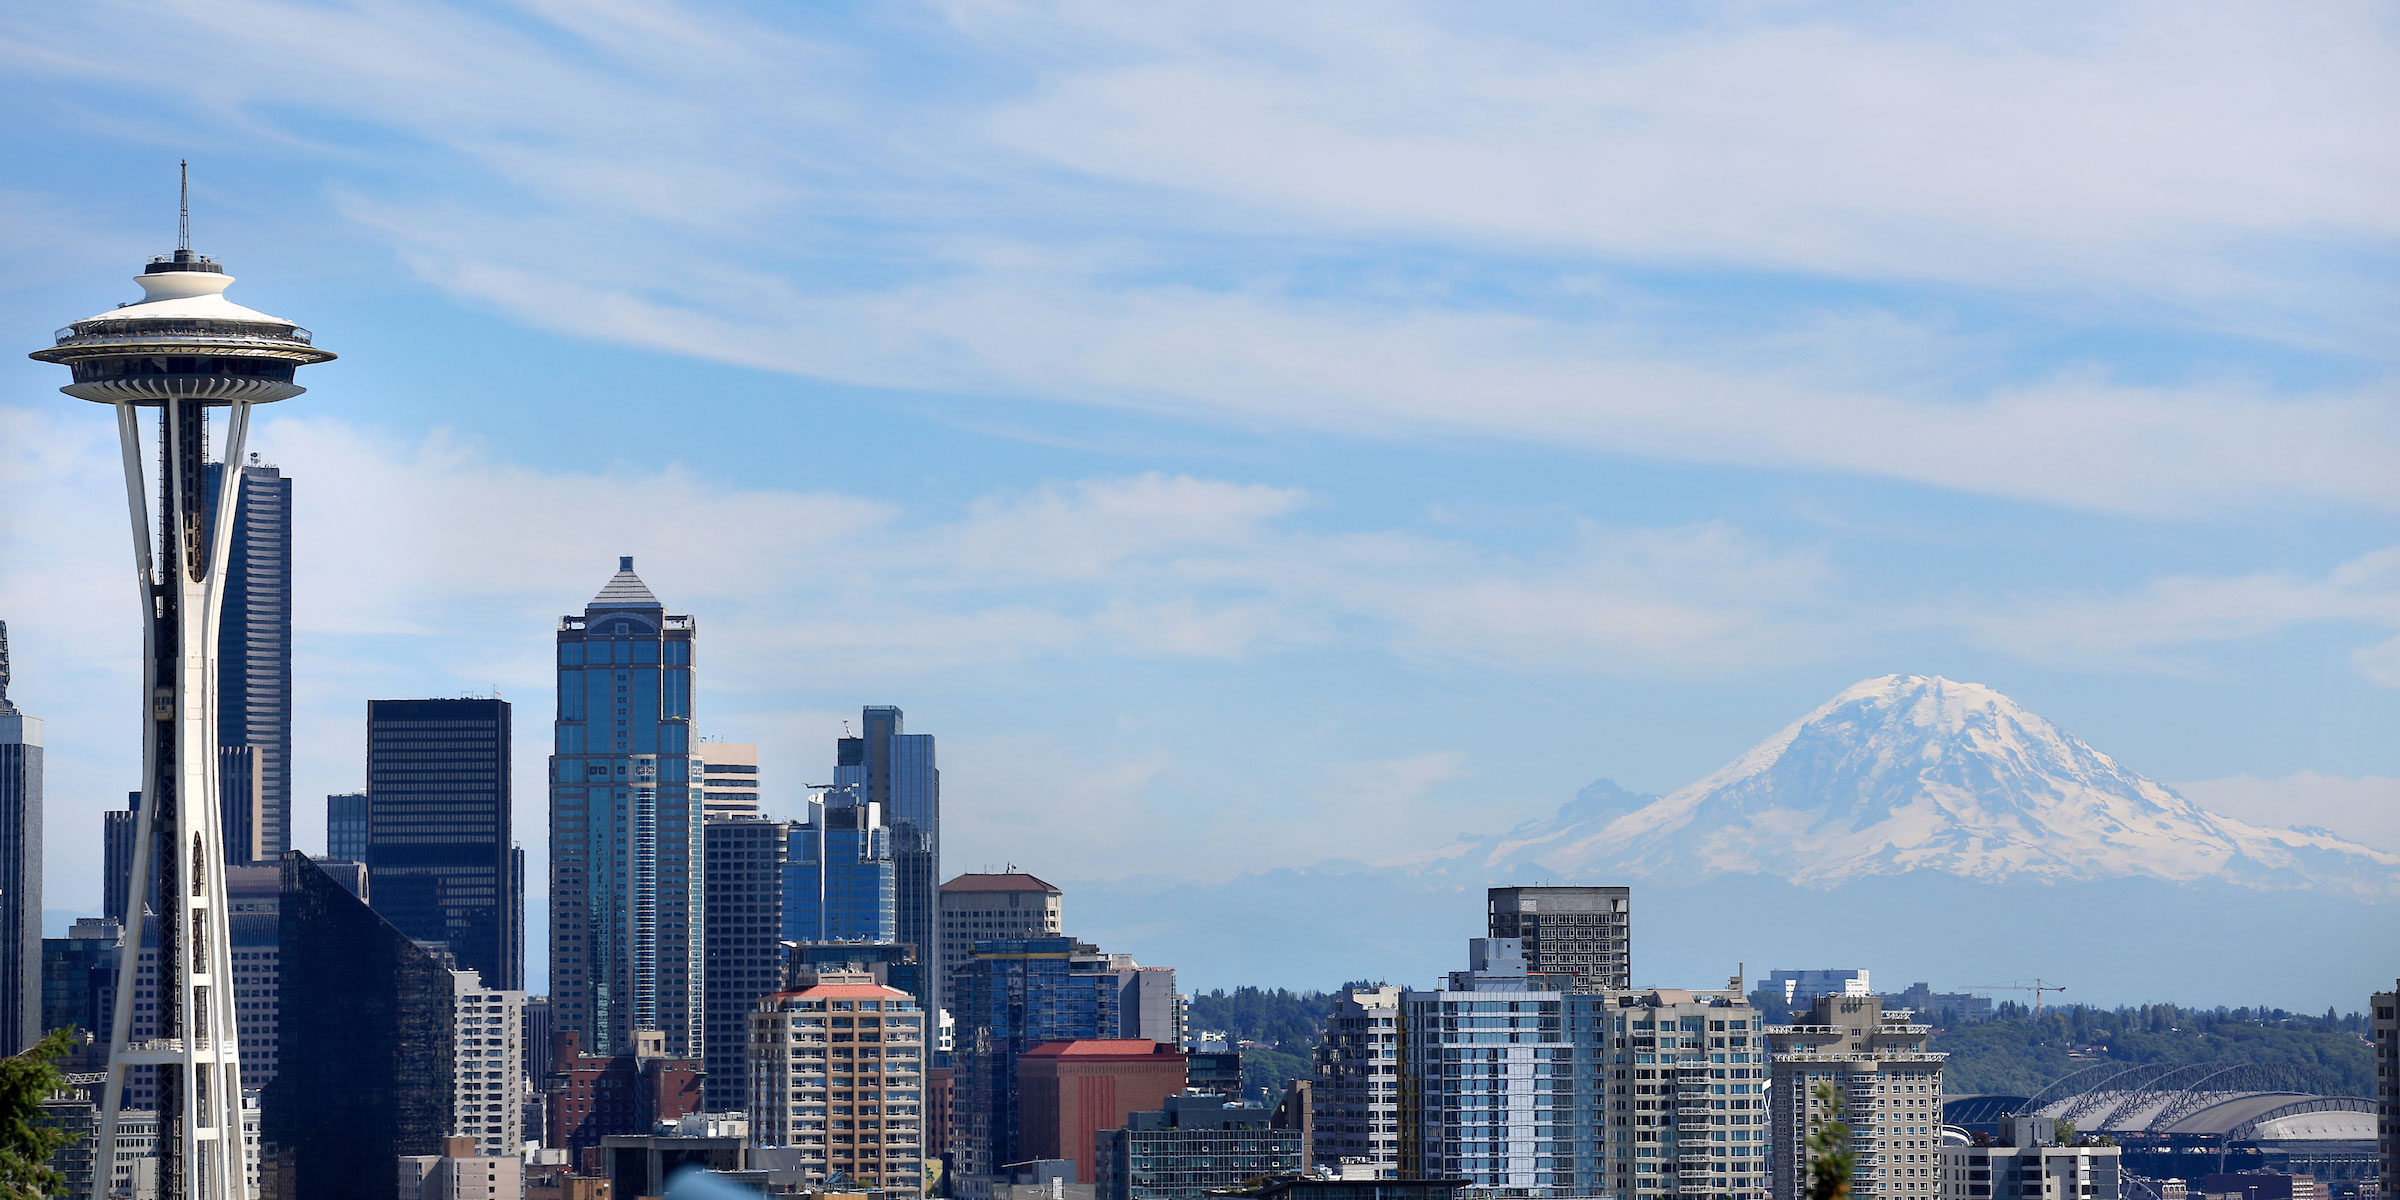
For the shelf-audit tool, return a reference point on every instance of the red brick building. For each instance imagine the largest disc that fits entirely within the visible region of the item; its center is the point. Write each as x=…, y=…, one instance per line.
x=1072, y=1091
x=592, y=1096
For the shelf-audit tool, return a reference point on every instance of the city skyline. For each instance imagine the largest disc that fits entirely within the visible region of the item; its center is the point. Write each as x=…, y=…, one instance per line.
x=1482, y=503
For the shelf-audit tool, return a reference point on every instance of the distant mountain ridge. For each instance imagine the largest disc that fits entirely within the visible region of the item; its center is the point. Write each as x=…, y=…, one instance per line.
x=1912, y=773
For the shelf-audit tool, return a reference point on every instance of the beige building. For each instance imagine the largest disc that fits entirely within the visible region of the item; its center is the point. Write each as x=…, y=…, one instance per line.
x=728, y=779
x=983, y=908
x=2028, y=1163
x=837, y=1072
x=1889, y=1086
x=488, y=1078
x=459, y=1173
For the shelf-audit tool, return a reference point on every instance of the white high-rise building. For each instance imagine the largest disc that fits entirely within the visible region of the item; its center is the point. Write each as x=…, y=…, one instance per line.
x=1889, y=1087
x=1508, y=1082
x=728, y=779
x=1356, y=1093
x=1800, y=989
x=489, y=1089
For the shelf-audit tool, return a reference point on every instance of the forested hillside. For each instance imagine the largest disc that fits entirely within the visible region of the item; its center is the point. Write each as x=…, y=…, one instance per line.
x=2016, y=1054
x=1285, y=1024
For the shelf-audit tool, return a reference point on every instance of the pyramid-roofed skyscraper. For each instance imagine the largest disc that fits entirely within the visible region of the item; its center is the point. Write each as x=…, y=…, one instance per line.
x=626, y=900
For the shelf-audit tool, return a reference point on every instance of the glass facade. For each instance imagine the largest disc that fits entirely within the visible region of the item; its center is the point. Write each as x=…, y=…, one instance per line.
x=1196, y=1146
x=627, y=854
x=254, y=642
x=1015, y=995
x=839, y=880
x=346, y=826
x=439, y=853
x=367, y=1038
x=745, y=947
x=895, y=771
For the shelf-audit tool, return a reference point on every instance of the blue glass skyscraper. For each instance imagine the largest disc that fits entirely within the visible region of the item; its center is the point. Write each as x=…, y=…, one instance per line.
x=895, y=771
x=839, y=880
x=626, y=848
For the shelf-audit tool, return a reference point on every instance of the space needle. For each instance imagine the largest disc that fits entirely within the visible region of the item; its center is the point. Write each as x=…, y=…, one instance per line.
x=181, y=350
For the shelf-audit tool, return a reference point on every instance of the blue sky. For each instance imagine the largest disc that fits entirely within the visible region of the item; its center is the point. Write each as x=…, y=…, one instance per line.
x=1248, y=437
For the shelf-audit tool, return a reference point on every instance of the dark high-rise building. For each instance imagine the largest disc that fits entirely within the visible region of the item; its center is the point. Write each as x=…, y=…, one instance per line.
x=2383, y=1015
x=254, y=643
x=745, y=948
x=1585, y=932
x=20, y=869
x=242, y=804
x=368, y=1038
x=627, y=853
x=79, y=977
x=895, y=771
x=1015, y=995
x=441, y=861
x=346, y=826
x=116, y=857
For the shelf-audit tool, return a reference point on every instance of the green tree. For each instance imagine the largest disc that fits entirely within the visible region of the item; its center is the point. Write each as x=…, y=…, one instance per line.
x=1829, y=1156
x=27, y=1136
x=2065, y=1135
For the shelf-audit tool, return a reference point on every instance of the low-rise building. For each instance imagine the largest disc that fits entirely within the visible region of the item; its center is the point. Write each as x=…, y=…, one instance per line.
x=594, y=1096
x=1192, y=1146
x=459, y=1172
x=2026, y=1163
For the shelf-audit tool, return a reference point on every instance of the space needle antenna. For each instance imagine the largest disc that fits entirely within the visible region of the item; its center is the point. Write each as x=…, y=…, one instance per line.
x=183, y=211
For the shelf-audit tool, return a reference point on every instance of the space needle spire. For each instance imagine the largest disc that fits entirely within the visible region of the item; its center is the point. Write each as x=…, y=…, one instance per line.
x=167, y=360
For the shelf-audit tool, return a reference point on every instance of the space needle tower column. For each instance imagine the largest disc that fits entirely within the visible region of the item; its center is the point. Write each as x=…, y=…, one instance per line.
x=178, y=352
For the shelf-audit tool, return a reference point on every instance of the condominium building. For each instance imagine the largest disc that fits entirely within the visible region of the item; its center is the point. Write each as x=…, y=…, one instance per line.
x=994, y=907
x=2027, y=1163
x=1357, y=1082
x=1508, y=1080
x=488, y=1102
x=627, y=892
x=837, y=1071
x=2383, y=1011
x=728, y=778
x=744, y=872
x=1885, y=1083
x=1586, y=932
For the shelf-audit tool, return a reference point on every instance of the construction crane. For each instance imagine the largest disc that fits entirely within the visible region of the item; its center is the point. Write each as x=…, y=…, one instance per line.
x=2037, y=987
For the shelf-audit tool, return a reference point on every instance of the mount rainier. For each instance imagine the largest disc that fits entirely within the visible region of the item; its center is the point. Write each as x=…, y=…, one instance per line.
x=1915, y=773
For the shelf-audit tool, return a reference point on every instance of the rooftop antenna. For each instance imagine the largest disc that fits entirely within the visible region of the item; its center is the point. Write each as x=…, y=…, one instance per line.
x=5, y=707
x=183, y=216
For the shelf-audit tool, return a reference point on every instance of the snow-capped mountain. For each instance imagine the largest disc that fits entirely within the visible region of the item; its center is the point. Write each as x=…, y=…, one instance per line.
x=1909, y=773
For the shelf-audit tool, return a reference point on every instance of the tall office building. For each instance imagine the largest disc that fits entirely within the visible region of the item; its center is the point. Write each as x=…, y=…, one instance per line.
x=729, y=778
x=1889, y=1086
x=839, y=880
x=993, y=907
x=116, y=857
x=440, y=858
x=1515, y=1079
x=1356, y=1089
x=895, y=771
x=627, y=852
x=1071, y=1092
x=20, y=868
x=847, y=1046
x=1013, y=996
x=346, y=826
x=242, y=804
x=745, y=946
x=1148, y=1006
x=1585, y=932
x=369, y=1043
x=79, y=975
x=254, y=642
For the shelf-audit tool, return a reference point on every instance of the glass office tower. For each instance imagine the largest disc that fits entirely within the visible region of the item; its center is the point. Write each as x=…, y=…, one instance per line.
x=895, y=771
x=626, y=847
x=20, y=869
x=254, y=641
x=440, y=841
x=839, y=880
